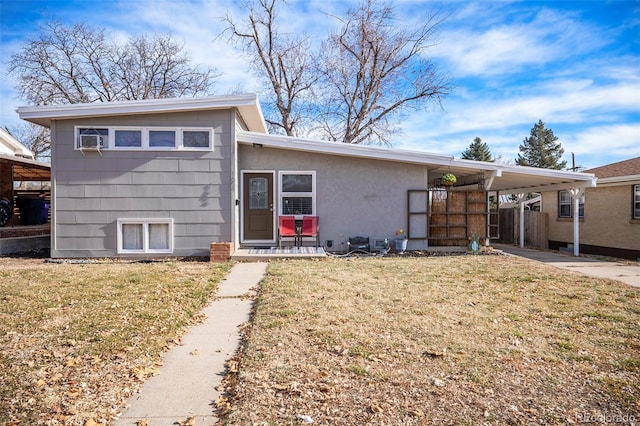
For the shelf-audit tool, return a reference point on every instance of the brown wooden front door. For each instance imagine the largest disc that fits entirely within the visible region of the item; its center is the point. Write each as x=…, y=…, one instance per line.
x=257, y=207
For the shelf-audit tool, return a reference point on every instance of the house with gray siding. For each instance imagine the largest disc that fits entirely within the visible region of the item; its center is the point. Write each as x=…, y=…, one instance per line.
x=169, y=177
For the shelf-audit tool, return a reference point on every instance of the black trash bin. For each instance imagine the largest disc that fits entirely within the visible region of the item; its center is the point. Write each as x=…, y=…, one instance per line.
x=31, y=210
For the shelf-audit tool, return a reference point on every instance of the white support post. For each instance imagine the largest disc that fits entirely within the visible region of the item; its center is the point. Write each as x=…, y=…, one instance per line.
x=521, y=198
x=576, y=194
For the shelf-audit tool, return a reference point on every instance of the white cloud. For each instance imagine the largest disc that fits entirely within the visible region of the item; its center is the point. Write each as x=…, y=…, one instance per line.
x=584, y=115
x=527, y=39
x=622, y=140
x=562, y=101
x=489, y=53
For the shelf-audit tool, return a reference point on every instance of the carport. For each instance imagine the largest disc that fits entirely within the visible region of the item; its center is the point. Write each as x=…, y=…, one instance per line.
x=33, y=178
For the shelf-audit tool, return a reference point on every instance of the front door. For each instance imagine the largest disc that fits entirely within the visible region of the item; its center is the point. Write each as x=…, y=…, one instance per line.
x=257, y=207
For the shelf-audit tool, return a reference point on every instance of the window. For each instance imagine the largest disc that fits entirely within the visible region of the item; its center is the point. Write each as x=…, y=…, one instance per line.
x=636, y=201
x=258, y=193
x=91, y=138
x=565, y=205
x=196, y=138
x=162, y=138
x=128, y=138
x=144, y=138
x=298, y=193
x=145, y=235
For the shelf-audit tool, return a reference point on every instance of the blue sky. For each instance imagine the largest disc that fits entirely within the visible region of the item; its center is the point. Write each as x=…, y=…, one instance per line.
x=573, y=64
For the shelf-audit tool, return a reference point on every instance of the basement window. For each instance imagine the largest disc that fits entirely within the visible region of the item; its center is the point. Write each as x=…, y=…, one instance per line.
x=139, y=236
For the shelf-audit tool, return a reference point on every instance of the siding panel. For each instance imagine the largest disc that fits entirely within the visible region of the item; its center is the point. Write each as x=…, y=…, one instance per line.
x=94, y=189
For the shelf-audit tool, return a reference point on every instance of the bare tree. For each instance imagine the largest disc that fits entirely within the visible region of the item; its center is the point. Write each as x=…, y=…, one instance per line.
x=157, y=67
x=73, y=64
x=283, y=61
x=374, y=68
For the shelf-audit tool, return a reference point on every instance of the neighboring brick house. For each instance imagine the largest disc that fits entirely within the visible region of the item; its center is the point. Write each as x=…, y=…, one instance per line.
x=609, y=213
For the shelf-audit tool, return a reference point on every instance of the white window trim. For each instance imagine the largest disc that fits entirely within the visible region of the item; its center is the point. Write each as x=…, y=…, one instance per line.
x=110, y=143
x=312, y=194
x=180, y=136
x=76, y=137
x=635, y=192
x=143, y=136
x=570, y=203
x=145, y=232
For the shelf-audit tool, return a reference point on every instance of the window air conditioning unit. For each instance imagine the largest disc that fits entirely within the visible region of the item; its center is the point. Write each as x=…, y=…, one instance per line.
x=91, y=142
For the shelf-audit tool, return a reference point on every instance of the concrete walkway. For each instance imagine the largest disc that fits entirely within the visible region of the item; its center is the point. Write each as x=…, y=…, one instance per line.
x=626, y=271
x=186, y=385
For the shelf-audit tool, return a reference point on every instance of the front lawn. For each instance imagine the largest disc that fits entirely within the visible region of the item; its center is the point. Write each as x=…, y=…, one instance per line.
x=77, y=340
x=437, y=340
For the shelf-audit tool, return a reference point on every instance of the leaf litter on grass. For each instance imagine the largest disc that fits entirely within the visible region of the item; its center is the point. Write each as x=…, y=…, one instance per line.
x=447, y=340
x=77, y=340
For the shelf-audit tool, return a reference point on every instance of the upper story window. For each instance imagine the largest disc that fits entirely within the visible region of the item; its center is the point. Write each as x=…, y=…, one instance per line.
x=127, y=138
x=162, y=138
x=636, y=201
x=145, y=138
x=196, y=138
x=94, y=138
x=565, y=205
x=298, y=193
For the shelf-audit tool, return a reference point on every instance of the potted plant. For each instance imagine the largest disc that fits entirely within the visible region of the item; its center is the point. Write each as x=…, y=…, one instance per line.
x=449, y=179
x=401, y=241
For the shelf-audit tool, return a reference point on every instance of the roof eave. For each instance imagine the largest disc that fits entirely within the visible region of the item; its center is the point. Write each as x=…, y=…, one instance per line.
x=248, y=105
x=618, y=180
x=567, y=179
x=23, y=160
x=338, y=148
x=18, y=148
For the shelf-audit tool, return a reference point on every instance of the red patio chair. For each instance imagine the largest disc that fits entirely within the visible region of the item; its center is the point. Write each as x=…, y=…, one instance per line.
x=310, y=228
x=287, y=229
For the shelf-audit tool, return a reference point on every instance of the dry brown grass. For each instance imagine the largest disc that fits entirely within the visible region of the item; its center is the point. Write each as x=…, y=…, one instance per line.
x=77, y=340
x=438, y=340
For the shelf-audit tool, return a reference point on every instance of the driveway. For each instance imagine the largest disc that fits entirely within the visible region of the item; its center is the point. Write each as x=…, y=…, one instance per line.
x=626, y=271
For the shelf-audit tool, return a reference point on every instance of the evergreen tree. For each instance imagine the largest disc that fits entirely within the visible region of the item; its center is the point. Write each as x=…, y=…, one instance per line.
x=478, y=151
x=541, y=149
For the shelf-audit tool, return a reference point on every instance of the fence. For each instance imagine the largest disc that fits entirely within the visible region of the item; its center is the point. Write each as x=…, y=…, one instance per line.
x=536, y=228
